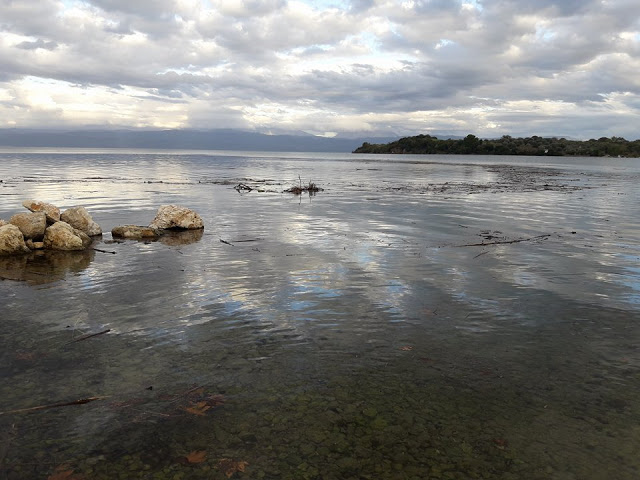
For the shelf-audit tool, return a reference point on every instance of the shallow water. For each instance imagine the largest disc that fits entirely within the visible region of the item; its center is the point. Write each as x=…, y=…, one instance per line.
x=357, y=333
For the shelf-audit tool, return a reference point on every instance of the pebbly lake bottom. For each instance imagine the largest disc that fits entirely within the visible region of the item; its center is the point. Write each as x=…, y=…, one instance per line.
x=418, y=320
x=408, y=407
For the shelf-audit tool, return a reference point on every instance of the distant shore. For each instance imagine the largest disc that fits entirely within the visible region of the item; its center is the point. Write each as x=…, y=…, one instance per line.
x=536, y=146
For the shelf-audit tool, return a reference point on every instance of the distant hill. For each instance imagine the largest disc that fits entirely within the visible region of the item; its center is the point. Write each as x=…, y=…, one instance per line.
x=219, y=139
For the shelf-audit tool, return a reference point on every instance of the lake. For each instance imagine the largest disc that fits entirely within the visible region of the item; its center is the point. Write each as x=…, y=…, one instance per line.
x=421, y=317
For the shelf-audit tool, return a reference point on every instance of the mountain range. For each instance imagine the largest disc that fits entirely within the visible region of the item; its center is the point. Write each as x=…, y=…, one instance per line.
x=218, y=139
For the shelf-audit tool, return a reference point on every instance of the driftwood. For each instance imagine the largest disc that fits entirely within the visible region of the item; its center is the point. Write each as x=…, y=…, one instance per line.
x=103, y=251
x=84, y=337
x=248, y=240
x=504, y=242
x=82, y=401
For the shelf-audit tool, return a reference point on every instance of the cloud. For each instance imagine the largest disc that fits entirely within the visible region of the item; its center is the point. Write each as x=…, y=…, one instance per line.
x=37, y=44
x=374, y=66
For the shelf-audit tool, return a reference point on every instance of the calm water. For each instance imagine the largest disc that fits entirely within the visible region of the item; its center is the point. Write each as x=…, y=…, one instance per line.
x=360, y=333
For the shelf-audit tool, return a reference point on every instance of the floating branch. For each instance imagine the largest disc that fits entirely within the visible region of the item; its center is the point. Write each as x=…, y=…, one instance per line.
x=103, y=251
x=84, y=337
x=504, y=242
x=242, y=187
x=82, y=401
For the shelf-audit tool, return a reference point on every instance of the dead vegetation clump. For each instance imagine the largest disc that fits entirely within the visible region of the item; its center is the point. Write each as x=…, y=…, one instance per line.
x=311, y=188
x=243, y=187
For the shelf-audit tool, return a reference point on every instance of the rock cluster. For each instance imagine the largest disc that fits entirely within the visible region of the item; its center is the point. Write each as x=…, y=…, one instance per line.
x=168, y=217
x=46, y=228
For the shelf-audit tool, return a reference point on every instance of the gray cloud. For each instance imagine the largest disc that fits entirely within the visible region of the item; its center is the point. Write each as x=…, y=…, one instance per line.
x=37, y=44
x=376, y=65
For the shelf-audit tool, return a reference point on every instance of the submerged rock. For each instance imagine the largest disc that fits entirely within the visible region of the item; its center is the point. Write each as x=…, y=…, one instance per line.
x=51, y=211
x=181, y=237
x=79, y=218
x=135, y=232
x=32, y=225
x=12, y=240
x=62, y=236
x=176, y=217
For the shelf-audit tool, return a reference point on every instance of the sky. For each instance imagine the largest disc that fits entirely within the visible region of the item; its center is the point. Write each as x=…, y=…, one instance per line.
x=330, y=68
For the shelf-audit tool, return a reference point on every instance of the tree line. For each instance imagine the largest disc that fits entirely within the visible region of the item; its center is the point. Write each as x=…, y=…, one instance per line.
x=507, y=145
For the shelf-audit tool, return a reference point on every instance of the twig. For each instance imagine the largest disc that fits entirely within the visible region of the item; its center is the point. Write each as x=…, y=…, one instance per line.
x=197, y=387
x=82, y=401
x=84, y=337
x=481, y=253
x=227, y=243
x=103, y=251
x=180, y=396
x=503, y=242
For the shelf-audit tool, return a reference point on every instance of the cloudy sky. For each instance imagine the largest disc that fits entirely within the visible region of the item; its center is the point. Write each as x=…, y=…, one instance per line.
x=348, y=67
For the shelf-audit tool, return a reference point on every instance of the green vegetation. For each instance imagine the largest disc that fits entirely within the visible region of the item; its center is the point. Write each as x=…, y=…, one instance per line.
x=427, y=144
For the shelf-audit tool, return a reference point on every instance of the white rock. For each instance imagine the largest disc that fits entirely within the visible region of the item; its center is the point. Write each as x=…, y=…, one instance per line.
x=32, y=225
x=12, y=240
x=79, y=218
x=173, y=216
x=62, y=236
x=52, y=212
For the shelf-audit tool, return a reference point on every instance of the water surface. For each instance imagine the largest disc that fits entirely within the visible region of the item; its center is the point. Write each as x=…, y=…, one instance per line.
x=422, y=317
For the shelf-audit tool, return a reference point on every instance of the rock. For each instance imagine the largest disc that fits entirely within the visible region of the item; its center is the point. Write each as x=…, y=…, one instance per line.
x=135, y=231
x=31, y=245
x=173, y=216
x=12, y=241
x=79, y=218
x=62, y=236
x=32, y=225
x=52, y=212
x=86, y=239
